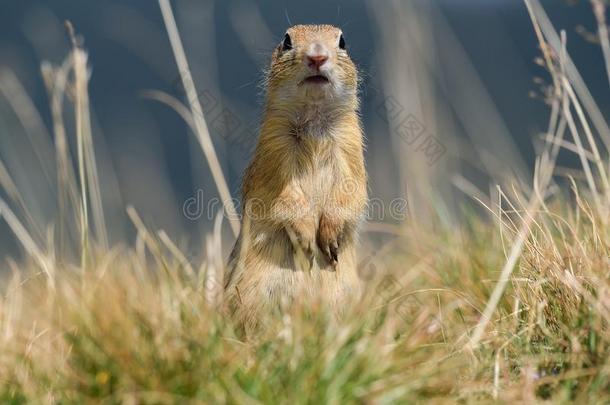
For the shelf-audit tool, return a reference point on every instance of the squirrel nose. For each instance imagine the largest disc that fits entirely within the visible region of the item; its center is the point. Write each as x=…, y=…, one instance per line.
x=316, y=61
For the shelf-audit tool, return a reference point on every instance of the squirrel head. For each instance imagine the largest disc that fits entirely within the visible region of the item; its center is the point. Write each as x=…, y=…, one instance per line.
x=311, y=65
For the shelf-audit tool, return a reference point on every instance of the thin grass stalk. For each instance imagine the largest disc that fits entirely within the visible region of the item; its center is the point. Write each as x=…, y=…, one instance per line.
x=540, y=18
x=582, y=154
x=593, y=145
x=515, y=254
x=11, y=308
x=151, y=244
x=534, y=203
x=67, y=190
x=30, y=120
x=8, y=184
x=572, y=126
x=214, y=273
x=26, y=241
x=84, y=138
x=177, y=253
x=516, y=250
x=599, y=9
x=80, y=147
x=203, y=135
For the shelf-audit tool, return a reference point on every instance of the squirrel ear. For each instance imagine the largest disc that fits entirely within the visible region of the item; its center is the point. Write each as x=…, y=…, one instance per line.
x=287, y=44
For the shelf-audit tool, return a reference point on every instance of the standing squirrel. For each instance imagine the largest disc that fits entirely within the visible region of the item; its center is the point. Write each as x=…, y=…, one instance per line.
x=305, y=192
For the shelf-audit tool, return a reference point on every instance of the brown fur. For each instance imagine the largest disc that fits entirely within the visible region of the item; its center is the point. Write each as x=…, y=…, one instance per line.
x=305, y=191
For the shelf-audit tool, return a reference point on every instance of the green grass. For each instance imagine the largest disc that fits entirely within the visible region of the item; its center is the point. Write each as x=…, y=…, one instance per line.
x=121, y=335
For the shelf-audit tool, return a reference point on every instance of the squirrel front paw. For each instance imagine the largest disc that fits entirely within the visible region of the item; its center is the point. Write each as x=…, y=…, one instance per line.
x=329, y=239
x=303, y=234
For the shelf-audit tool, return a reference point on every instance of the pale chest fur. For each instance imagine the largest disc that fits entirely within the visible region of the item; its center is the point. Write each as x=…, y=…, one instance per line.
x=321, y=167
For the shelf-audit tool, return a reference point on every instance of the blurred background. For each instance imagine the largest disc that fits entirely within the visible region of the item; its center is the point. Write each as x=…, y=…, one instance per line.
x=452, y=100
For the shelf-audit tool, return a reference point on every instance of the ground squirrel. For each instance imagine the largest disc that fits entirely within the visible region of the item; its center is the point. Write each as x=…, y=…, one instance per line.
x=305, y=191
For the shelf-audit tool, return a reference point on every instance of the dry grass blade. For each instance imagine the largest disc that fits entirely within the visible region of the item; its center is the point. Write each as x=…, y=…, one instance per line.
x=215, y=270
x=599, y=9
x=513, y=257
x=582, y=154
x=30, y=120
x=147, y=238
x=177, y=253
x=542, y=20
x=175, y=104
x=89, y=179
x=25, y=239
x=536, y=200
x=7, y=183
x=592, y=144
x=202, y=133
x=56, y=80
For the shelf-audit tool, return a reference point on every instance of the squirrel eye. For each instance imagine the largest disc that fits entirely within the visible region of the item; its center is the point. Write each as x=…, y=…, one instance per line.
x=341, y=42
x=287, y=44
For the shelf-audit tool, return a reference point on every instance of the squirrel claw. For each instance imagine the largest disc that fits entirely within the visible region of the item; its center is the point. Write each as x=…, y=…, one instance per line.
x=331, y=252
x=334, y=253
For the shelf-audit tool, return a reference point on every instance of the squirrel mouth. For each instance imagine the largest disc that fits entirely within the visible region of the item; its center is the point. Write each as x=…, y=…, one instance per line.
x=316, y=79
